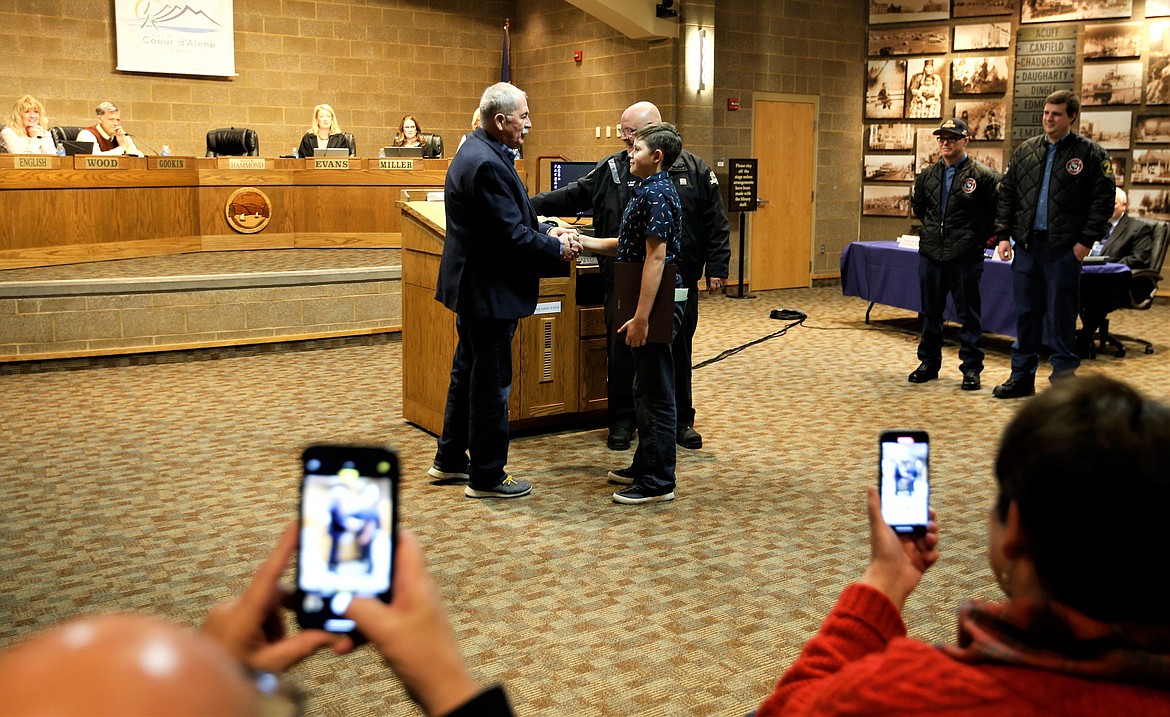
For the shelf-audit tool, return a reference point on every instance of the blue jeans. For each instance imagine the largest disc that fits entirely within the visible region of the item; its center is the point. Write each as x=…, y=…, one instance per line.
x=960, y=279
x=1046, y=284
x=654, y=407
x=476, y=417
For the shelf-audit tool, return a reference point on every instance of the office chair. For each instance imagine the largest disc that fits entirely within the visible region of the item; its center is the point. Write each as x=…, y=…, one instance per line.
x=432, y=146
x=233, y=142
x=1142, y=290
x=64, y=134
x=351, y=143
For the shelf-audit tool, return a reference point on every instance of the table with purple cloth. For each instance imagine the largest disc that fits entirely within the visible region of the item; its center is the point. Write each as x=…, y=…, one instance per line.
x=882, y=272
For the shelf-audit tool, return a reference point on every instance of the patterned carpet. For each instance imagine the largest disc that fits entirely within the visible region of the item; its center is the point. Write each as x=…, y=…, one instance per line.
x=159, y=483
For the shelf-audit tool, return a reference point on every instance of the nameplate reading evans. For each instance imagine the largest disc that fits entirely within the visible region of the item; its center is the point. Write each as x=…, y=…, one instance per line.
x=171, y=163
x=246, y=163
x=396, y=164
x=102, y=162
x=326, y=163
x=32, y=163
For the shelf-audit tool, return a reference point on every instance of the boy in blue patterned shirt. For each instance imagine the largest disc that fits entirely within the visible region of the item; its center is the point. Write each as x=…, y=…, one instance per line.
x=650, y=231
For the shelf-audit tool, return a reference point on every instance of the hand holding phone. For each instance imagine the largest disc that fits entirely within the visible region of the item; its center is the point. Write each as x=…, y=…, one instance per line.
x=349, y=517
x=904, y=480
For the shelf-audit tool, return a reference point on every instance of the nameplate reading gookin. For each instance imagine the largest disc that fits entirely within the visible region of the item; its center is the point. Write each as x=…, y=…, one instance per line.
x=92, y=162
x=170, y=163
x=407, y=164
x=335, y=163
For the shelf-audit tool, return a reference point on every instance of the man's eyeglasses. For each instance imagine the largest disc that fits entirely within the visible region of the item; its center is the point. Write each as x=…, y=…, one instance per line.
x=950, y=140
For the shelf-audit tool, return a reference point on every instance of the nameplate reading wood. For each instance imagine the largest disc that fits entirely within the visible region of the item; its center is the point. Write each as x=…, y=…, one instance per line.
x=331, y=163
x=246, y=163
x=407, y=164
x=96, y=162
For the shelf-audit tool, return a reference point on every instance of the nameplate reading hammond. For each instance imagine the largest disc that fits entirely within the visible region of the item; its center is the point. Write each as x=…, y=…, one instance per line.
x=396, y=164
x=327, y=163
x=246, y=163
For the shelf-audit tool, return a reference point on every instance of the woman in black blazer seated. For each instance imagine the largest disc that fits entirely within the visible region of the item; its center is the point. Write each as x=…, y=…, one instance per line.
x=325, y=132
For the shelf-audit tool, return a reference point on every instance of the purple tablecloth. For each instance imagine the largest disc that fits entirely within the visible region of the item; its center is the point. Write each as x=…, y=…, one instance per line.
x=883, y=272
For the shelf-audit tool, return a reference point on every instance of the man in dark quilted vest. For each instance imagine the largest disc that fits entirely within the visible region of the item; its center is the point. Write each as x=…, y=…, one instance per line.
x=956, y=200
x=1054, y=202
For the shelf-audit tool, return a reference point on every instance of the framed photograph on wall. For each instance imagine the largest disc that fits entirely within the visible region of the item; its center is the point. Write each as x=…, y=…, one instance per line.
x=984, y=118
x=927, y=150
x=1113, y=40
x=979, y=75
x=987, y=36
x=1152, y=128
x=883, y=11
x=991, y=157
x=1111, y=83
x=889, y=167
x=1061, y=10
x=1150, y=166
x=885, y=89
x=878, y=201
x=1108, y=129
x=895, y=135
x=1158, y=75
x=1119, y=165
x=980, y=8
x=924, y=90
x=909, y=41
x=1150, y=203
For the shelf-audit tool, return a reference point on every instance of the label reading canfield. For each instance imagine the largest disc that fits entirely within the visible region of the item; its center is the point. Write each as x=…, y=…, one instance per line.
x=1046, y=61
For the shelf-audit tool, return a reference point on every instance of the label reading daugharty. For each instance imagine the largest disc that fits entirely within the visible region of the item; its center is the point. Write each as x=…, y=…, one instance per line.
x=246, y=163
x=331, y=163
x=90, y=162
x=396, y=164
x=32, y=162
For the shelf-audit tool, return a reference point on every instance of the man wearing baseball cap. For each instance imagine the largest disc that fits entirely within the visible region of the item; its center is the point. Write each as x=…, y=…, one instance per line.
x=955, y=198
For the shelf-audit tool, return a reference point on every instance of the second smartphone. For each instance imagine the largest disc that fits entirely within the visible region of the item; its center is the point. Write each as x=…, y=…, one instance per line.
x=349, y=515
x=904, y=480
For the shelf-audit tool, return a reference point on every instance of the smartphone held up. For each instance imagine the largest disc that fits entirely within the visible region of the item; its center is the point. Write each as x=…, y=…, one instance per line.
x=348, y=519
x=904, y=480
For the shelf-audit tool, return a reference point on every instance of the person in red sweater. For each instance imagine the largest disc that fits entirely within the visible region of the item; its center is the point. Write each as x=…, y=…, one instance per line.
x=1077, y=539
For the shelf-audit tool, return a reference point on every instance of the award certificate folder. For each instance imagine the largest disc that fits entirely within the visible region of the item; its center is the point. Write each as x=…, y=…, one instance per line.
x=627, y=286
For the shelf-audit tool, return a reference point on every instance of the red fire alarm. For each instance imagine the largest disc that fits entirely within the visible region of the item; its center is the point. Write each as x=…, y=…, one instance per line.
x=732, y=104
x=578, y=55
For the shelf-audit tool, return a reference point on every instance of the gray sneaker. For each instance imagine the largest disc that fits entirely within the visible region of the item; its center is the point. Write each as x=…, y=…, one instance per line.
x=450, y=476
x=508, y=488
x=637, y=495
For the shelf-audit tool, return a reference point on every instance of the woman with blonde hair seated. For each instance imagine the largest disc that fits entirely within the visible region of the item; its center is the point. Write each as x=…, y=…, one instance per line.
x=325, y=133
x=409, y=133
x=1076, y=539
x=25, y=132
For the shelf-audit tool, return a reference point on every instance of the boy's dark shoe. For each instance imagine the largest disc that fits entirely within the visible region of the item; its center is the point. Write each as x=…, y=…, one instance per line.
x=690, y=438
x=636, y=495
x=1014, y=388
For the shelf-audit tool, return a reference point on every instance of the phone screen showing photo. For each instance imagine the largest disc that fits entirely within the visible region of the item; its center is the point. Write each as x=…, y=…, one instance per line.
x=905, y=480
x=347, y=532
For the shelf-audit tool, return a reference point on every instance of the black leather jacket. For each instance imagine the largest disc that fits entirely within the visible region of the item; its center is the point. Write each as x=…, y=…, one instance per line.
x=606, y=190
x=971, y=206
x=1080, y=192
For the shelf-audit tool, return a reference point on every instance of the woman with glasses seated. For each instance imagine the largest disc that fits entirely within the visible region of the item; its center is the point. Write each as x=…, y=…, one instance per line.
x=409, y=133
x=325, y=133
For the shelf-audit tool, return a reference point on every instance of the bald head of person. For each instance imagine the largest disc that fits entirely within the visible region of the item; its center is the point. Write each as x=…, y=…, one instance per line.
x=635, y=117
x=122, y=664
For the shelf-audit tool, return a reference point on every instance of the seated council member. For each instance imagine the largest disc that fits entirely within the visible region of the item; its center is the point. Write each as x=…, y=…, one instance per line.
x=475, y=122
x=1072, y=538
x=108, y=135
x=324, y=133
x=132, y=664
x=25, y=132
x=409, y=133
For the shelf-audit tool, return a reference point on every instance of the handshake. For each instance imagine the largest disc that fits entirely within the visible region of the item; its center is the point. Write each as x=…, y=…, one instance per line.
x=571, y=246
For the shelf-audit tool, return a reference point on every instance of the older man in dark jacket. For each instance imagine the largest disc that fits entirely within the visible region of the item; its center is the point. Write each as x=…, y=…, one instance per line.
x=956, y=200
x=1055, y=202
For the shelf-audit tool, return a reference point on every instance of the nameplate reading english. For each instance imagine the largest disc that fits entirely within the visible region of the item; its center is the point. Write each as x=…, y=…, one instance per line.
x=246, y=163
x=91, y=162
x=407, y=164
x=328, y=163
x=32, y=163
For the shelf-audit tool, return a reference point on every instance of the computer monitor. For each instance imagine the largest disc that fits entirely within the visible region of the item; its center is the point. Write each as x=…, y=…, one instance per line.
x=565, y=173
x=331, y=151
x=402, y=151
x=73, y=147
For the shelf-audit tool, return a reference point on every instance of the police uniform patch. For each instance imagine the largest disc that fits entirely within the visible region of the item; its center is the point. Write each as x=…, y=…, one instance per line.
x=1107, y=167
x=1074, y=166
x=969, y=185
x=682, y=181
x=712, y=178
